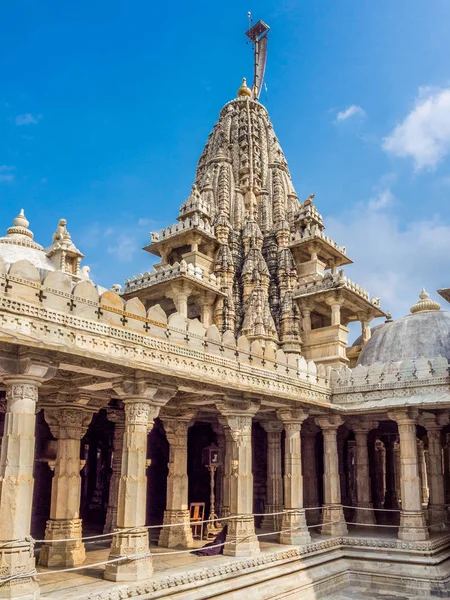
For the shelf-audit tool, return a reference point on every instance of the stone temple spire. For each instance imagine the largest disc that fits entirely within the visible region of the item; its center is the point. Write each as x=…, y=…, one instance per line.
x=247, y=256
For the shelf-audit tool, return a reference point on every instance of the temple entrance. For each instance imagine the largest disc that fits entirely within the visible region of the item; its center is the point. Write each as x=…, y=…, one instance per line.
x=200, y=436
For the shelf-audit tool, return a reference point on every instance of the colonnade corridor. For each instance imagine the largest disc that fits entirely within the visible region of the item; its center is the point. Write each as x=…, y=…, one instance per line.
x=114, y=489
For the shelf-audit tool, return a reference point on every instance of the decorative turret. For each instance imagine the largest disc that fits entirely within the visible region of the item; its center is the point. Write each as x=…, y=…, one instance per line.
x=424, y=303
x=64, y=254
x=19, y=234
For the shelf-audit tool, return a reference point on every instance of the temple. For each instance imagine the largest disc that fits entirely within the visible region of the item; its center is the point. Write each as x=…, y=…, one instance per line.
x=328, y=463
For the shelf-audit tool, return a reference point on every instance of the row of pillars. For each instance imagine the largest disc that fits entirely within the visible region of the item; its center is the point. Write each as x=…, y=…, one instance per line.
x=142, y=404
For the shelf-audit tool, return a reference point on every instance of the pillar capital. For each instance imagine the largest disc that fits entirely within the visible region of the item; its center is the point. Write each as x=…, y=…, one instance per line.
x=431, y=422
x=142, y=390
x=31, y=367
x=234, y=406
x=405, y=416
x=329, y=422
x=272, y=426
x=67, y=422
x=176, y=428
x=116, y=416
x=292, y=418
x=361, y=425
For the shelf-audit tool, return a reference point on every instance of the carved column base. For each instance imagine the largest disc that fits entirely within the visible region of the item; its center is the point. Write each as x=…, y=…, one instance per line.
x=174, y=537
x=333, y=521
x=18, y=559
x=365, y=517
x=128, y=545
x=241, y=539
x=413, y=527
x=437, y=517
x=294, y=529
x=62, y=554
x=271, y=523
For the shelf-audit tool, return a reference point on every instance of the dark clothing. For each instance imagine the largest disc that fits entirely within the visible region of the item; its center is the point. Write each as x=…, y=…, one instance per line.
x=207, y=550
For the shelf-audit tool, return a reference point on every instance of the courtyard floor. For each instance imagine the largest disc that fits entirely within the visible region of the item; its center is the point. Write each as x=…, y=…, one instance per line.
x=88, y=581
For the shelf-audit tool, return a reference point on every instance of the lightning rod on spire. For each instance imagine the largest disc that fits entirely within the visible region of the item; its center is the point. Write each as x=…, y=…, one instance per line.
x=258, y=35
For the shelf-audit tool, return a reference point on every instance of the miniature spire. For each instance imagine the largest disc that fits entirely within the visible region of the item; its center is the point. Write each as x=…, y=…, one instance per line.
x=425, y=303
x=20, y=226
x=244, y=90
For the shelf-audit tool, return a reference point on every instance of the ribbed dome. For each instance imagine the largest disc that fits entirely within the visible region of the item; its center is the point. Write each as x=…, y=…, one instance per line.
x=18, y=244
x=424, y=333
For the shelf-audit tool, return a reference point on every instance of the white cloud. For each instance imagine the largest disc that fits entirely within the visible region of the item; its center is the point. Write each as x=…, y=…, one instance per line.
x=424, y=134
x=6, y=174
x=393, y=259
x=125, y=248
x=144, y=222
x=381, y=200
x=351, y=111
x=28, y=119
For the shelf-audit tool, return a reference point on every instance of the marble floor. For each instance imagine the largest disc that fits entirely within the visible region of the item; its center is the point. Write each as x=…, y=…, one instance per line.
x=88, y=580
x=352, y=593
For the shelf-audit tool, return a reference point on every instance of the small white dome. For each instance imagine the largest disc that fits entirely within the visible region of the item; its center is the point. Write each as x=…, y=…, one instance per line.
x=18, y=244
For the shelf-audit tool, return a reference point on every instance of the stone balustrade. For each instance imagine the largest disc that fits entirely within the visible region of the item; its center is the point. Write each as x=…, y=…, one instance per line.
x=309, y=235
x=338, y=281
x=54, y=298
x=411, y=370
x=422, y=380
x=190, y=223
x=168, y=272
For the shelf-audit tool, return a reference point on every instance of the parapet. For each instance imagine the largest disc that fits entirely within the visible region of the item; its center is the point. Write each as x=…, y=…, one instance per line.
x=54, y=297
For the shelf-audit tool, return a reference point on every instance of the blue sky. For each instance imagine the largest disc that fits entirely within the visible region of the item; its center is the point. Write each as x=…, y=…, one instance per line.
x=105, y=108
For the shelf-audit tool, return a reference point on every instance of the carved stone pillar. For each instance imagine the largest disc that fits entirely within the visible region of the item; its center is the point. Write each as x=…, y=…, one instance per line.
x=293, y=525
x=422, y=470
x=227, y=470
x=177, y=507
x=16, y=474
x=142, y=404
x=335, y=313
x=68, y=425
x=412, y=517
x=361, y=430
x=241, y=539
x=309, y=468
x=333, y=515
x=116, y=416
x=390, y=497
x=274, y=500
x=380, y=473
x=397, y=472
x=345, y=495
x=447, y=468
x=437, y=513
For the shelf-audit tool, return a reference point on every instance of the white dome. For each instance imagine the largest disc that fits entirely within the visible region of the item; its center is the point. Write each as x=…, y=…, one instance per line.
x=425, y=332
x=18, y=244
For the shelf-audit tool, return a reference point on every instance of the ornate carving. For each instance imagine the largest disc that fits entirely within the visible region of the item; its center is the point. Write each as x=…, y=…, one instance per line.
x=66, y=422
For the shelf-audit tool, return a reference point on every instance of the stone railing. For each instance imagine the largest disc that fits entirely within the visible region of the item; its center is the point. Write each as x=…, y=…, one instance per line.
x=168, y=272
x=336, y=281
x=388, y=373
x=193, y=223
x=309, y=235
x=420, y=381
x=66, y=307
x=194, y=205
